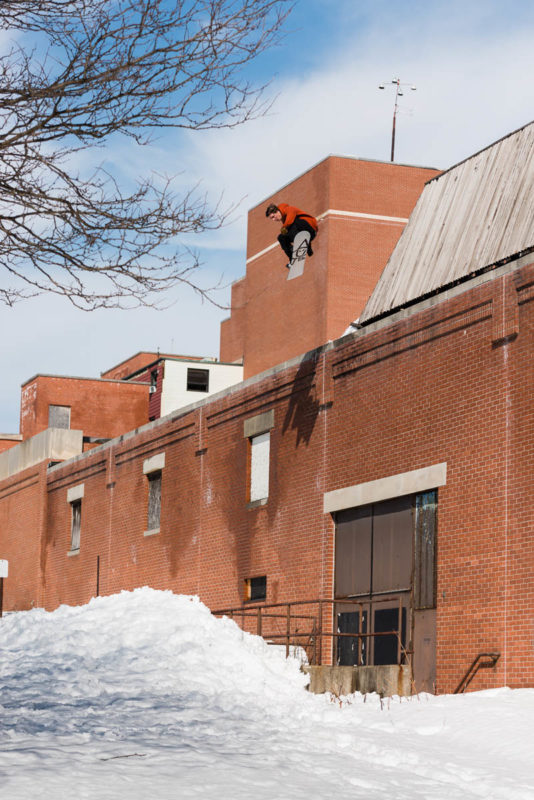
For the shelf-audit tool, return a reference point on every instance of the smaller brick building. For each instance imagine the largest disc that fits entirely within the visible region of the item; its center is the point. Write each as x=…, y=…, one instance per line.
x=102, y=409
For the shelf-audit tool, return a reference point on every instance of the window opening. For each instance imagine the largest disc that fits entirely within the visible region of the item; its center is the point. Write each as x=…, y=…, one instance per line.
x=386, y=648
x=76, y=524
x=198, y=380
x=347, y=647
x=256, y=588
x=59, y=417
x=259, y=466
x=154, y=500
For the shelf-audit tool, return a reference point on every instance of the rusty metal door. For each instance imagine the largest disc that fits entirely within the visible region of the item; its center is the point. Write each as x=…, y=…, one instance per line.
x=424, y=626
x=353, y=552
x=392, y=545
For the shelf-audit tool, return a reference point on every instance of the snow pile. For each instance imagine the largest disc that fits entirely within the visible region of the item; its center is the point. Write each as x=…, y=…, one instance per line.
x=146, y=695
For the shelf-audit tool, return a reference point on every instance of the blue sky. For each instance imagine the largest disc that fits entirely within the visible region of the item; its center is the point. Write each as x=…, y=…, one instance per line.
x=472, y=63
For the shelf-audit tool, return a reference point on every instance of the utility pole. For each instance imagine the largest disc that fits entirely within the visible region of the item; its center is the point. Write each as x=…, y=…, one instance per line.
x=398, y=93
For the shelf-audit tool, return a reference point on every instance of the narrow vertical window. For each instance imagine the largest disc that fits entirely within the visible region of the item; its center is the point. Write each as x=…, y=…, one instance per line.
x=74, y=499
x=152, y=468
x=154, y=501
x=257, y=432
x=259, y=467
x=425, y=550
x=76, y=524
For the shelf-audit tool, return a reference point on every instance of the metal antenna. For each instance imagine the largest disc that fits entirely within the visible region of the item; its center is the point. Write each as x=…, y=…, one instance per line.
x=398, y=93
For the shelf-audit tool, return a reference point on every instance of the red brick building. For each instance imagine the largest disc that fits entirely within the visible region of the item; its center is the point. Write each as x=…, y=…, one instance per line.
x=389, y=471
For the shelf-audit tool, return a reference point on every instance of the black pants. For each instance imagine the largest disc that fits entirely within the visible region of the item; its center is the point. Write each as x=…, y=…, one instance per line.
x=286, y=239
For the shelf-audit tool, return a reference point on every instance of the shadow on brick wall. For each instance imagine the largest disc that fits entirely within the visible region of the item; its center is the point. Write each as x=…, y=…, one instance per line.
x=303, y=405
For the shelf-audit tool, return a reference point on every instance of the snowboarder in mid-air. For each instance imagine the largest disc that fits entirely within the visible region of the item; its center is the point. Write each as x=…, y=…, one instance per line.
x=298, y=231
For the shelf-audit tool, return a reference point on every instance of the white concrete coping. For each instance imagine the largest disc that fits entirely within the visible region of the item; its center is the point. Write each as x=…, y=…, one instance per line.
x=261, y=423
x=362, y=494
x=75, y=493
x=52, y=444
x=154, y=463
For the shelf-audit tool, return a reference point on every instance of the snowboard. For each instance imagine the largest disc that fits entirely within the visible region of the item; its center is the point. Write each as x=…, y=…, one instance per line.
x=300, y=251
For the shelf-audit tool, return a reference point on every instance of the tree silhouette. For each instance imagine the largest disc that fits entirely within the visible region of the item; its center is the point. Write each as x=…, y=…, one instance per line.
x=77, y=73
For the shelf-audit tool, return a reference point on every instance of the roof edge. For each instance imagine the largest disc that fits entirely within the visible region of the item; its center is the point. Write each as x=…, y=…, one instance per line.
x=482, y=150
x=349, y=158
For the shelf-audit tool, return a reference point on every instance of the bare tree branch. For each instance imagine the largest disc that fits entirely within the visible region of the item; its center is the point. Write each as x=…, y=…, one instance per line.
x=82, y=71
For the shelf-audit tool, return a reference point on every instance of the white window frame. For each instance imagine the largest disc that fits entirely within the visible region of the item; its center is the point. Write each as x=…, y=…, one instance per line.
x=257, y=430
x=260, y=458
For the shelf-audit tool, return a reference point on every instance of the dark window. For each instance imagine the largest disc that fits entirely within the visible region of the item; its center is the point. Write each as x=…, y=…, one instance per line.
x=76, y=524
x=59, y=417
x=256, y=588
x=153, y=380
x=154, y=500
x=347, y=646
x=386, y=648
x=198, y=380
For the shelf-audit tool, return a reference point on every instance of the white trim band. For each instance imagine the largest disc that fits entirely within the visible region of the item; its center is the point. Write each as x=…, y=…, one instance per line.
x=334, y=212
x=362, y=494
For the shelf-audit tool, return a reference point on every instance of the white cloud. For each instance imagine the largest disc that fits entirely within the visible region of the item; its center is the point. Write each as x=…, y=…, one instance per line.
x=463, y=102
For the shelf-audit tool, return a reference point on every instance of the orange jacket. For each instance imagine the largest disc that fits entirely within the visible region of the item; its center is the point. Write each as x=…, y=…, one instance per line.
x=290, y=213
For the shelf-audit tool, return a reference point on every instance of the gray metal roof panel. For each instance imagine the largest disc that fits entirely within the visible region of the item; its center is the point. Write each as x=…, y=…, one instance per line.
x=474, y=215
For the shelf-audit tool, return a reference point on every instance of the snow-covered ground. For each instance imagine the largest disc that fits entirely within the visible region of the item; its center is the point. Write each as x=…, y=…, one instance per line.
x=146, y=695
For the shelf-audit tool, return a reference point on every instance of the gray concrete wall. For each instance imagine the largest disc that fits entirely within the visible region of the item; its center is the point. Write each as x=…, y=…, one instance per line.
x=53, y=444
x=386, y=680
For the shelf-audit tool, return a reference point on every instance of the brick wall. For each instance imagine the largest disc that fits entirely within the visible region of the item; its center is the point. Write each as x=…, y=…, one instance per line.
x=232, y=341
x=448, y=383
x=22, y=532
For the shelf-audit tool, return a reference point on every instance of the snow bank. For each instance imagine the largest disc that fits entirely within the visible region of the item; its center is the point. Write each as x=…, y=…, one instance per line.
x=146, y=695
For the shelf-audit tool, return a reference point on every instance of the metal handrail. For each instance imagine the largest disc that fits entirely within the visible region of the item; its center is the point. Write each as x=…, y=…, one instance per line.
x=315, y=634
x=477, y=664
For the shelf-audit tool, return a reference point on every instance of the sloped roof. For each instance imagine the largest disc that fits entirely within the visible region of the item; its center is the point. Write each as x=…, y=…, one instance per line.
x=476, y=214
